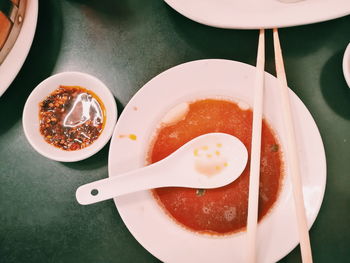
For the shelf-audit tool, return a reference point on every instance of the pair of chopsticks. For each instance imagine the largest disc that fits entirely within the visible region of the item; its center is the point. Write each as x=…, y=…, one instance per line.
x=291, y=152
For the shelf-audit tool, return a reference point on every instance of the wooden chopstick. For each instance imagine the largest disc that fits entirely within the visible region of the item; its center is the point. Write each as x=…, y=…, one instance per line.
x=291, y=153
x=253, y=200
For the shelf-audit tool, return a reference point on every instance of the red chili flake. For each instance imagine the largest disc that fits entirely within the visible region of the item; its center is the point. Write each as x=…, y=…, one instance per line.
x=71, y=117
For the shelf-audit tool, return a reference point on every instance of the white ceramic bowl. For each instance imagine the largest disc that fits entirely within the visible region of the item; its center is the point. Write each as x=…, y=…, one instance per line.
x=277, y=233
x=31, y=115
x=346, y=65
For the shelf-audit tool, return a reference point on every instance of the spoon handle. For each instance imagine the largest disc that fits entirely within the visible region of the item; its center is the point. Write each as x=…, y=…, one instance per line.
x=140, y=179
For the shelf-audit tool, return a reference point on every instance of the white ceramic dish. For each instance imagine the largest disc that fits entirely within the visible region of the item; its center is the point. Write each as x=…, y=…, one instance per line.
x=256, y=14
x=16, y=57
x=154, y=230
x=31, y=115
x=346, y=65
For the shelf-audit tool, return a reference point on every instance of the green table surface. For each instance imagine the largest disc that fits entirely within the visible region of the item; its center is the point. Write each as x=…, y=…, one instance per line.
x=125, y=44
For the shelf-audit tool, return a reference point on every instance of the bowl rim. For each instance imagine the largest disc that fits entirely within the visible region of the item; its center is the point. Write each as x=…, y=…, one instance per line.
x=346, y=65
x=42, y=90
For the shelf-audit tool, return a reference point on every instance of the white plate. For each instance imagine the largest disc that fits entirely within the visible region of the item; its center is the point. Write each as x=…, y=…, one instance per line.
x=16, y=57
x=165, y=239
x=255, y=14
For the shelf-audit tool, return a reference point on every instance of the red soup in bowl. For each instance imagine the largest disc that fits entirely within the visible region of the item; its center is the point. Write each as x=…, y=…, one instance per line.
x=222, y=210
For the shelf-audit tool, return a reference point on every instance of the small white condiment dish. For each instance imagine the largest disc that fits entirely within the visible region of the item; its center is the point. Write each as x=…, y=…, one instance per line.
x=346, y=65
x=31, y=124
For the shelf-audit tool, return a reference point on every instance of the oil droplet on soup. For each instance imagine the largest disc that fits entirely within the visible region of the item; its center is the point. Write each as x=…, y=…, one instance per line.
x=222, y=210
x=208, y=160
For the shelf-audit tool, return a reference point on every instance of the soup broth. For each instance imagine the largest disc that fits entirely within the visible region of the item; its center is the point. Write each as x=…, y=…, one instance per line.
x=222, y=210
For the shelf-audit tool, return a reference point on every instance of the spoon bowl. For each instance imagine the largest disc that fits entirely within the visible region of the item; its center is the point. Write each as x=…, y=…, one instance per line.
x=208, y=161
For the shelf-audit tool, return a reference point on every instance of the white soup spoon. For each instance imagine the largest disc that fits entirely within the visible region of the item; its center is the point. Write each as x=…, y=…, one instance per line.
x=208, y=161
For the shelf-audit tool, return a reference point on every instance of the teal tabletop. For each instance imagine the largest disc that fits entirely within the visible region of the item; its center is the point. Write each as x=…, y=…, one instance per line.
x=125, y=44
